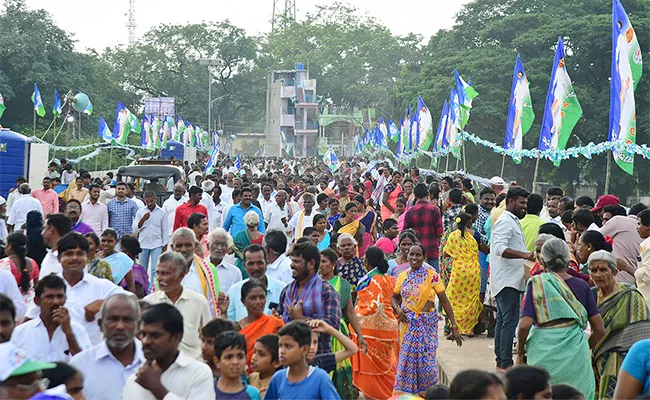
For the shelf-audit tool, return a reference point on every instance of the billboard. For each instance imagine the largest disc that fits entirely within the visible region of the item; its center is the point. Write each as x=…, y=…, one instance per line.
x=160, y=107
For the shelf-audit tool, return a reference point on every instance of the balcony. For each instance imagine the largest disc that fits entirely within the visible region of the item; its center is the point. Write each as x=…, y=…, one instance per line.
x=287, y=120
x=308, y=128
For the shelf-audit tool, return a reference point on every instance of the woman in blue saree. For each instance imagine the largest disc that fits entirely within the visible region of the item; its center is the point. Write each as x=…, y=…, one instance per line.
x=120, y=263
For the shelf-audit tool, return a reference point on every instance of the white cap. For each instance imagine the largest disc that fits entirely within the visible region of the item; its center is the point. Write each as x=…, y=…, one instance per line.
x=16, y=362
x=2, y=200
x=497, y=181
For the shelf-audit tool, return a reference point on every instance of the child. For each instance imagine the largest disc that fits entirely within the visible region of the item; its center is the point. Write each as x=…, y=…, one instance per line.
x=328, y=361
x=387, y=242
x=208, y=335
x=230, y=358
x=299, y=380
x=265, y=362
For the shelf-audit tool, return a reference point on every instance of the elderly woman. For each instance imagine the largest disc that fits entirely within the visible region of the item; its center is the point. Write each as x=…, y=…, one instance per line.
x=349, y=265
x=556, y=310
x=245, y=238
x=625, y=316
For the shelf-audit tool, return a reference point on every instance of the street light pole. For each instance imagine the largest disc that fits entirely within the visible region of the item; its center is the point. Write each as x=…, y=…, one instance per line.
x=209, y=62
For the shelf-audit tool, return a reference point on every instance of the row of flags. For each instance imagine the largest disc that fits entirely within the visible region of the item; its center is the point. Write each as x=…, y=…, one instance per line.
x=39, y=107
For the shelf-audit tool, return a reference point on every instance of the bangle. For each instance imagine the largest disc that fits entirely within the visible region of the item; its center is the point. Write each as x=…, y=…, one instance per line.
x=454, y=328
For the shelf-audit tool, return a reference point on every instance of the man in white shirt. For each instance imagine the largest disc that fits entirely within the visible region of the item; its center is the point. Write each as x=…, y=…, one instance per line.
x=53, y=336
x=278, y=215
x=56, y=226
x=267, y=201
x=22, y=206
x=302, y=219
x=279, y=265
x=219, y=208
x=14, y=194
x=219, y=241
x=192, y=306
x=108, y=364
x=3, y=223
x=507, y=272
x=226, y=190
x=171, y=204
x=93, y=212
x=151, y=226
x=9, y=289
x=206, y=200
x=174, y=375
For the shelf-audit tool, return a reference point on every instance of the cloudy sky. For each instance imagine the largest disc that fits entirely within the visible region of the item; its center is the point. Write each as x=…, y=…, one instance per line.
x=101, y=23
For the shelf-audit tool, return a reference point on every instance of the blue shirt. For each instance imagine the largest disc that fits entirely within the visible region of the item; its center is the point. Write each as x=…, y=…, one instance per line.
x=234, y=222
x=121, y=215
x=317, y=385
x=247, y=393
x=637, y=363
x=236, y=309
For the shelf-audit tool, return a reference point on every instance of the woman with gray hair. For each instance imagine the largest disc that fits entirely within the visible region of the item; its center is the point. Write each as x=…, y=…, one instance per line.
x=245, y=238
x=557, y=308
x=626, y=317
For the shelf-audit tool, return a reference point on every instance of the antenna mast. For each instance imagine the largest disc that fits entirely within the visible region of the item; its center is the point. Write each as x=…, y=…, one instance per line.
x=131, y=22
x=281, y=17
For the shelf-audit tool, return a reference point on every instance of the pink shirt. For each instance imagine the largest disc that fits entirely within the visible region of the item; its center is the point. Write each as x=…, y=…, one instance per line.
x=49, y=200
x=627, y=243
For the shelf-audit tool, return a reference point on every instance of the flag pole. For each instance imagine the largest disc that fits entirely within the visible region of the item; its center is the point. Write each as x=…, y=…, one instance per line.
x=34, y=122
x=53, y=137
x=609, y=170
x=503, y=165
x=535, y=176
x=464, y=162
x=447, y=164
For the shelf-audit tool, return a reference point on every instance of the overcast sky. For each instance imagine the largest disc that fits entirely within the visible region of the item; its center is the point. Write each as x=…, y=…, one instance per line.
x=101, y=23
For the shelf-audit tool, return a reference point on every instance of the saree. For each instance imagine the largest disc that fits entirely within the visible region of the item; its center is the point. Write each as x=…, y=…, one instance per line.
x=100, y=269
x=373, y=373
x=325, y=242
x=625, y=316
x=120, y=264
x=352, y=270
x=241, y=240
x=342, y=375
x=546, y=346
x=417, y=368
x=368, y=221
x=264, y=325
x=392, y=200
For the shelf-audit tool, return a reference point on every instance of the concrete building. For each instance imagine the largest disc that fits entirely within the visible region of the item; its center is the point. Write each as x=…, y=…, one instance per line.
x=291, y=108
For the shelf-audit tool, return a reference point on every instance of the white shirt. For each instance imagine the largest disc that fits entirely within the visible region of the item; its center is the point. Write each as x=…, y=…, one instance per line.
x=95, y=215
x=196, y=313
x=192, y=178
x=192, y=280
x=507, y=272
x=106, y=195
x=273, y=217
x=154, y=232
x=228, y=275
x=50, y=264
x=296, y=226
x=186, y=378
x=19, y=210
x=32, y=337
x=206, y=200
x=105, y=374
x=266, y=205
x=68, y=177
x=169, y=206
x=11, y=199
x=218, y=215
x=9, y=288
x=226, y=193
x=280, y=269
x=138, y=202
x=89, y=289
x=593, y=227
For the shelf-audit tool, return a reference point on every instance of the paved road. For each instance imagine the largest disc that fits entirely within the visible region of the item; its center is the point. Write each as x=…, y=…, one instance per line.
x=475, y=353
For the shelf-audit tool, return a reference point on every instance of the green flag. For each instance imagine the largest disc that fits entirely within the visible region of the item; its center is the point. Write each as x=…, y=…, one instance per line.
x=2, y=105
x=38, y=101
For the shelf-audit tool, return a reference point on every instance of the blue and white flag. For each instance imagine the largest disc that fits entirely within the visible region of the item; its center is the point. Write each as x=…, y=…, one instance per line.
x=441, y=142
x=145, y=140
x=39, y=108
x=383, y=133
x=520, y=112
x=393, y=131
x=209, y=166
x=331, y=160
x=103, y=132
x=57, y=104
x=238, y=162
x=400, y=148
x=425, y=126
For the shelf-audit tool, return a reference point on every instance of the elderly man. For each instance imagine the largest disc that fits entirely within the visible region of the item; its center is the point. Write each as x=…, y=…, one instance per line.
x=22, y=206
x=206, y=200
x=171, y=270
x=200, y=277
x=172, y=203
x=279, y=265
x=48, y=197
x=255, y=264
x=278, y=214
x=108, y=364
x=219, y=241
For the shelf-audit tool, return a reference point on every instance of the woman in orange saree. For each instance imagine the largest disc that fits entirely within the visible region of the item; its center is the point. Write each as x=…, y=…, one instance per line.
x=373, y=371
x=391, y=192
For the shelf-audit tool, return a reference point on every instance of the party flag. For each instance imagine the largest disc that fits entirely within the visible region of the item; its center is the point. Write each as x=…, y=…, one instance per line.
x=406, y=129
x=38, y=102
x=466, y=94
x=124, y=123
x=89, y=109
x=425, y=126
x=166, y=132
x=383, y=131
x=399, y=150
x=145, y=140
x=103, y=132
x=626, y=72
x=562, y=110
x=238, y=162
x=2, y=105
x=180, y=128
x=520, y=112
x=57, y=104
x=453, y=126
x=187, y=134
x=393, y=131
x=440, y=142
x=156, y=126
x=209, y=166
x=331, y=160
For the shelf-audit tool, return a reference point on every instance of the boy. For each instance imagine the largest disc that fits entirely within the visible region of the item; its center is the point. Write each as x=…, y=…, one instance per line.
x=298, y=380
x=209, y=334
x=230, y=357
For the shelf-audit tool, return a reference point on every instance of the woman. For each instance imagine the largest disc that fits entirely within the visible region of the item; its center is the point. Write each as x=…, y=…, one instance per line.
x=36, y=249
x=468, y=189
x=333, y=213
x=591, y=241
x=400, y=212
x=464, y=286
x=120, y=263
x=349, y=265
x=557, y=307
x=245, y=238
x=407, y=185
x=413, y=301
x=549, y=231
x=642, y=273
x=96, y=266
x=349, y=223
x=320, y=224
x=131, y=247
x=374, y=370
x=392, y=191
x=368, y=219
x=401, y=263
x=23, y=268
x=256, y=324
x=625, y=317
x=64, y=374
x=342, y=376
x=387, y=241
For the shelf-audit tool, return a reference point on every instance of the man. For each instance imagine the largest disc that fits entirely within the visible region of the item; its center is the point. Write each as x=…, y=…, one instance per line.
x=605, y=200
x=68, y=175
x=3, y=223
x=52, y=336
x=121, y=211
x=236, y=198
x=255, y=265
x=583, y=220
x=497, y=184
x=454, y=207
x=20, y=379
x=79, y=192
x=486, y=204
x=304, y=218
x=305, y=261
x=73, y=211
x=552, y=193
x=424, y=219
x=554, y=211
x=198, y=223
x=226, y=190
x=14, y=193
x=507, y=272
x=151, y=228
x=218, y=243
x=9, y=291
x=626, y=242
x=167, y=373
x=22, y=206
x=267, y=201
x=172, y=203
x=200, y=277
x=278, y=214
x=52, y=172
x=531, y=222
x=109, y=363
x=93, y=212
x=48, y=198
x=194, y=308
x=279, y=265
x=85, y=293
x=130, y=193
x=192, y=206
x=56, y=226
x=219, y=207
x=206, y=200
x=234, y=222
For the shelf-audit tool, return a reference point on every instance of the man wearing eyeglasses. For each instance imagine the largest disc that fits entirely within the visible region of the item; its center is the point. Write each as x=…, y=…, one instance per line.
x=73, y=210
x=218, y=243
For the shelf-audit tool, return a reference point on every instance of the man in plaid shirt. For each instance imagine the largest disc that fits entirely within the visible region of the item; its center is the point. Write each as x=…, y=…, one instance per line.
x=424, y=219
x=449, y=217
x=121, y=211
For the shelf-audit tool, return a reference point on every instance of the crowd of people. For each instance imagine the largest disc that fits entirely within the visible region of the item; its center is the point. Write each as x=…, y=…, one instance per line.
x=281, y=279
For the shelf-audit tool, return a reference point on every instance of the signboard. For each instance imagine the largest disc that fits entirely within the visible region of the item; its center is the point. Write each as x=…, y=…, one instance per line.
x=160, y=107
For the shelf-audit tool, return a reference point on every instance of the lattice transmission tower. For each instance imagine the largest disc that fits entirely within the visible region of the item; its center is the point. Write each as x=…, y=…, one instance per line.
x=130, y=23
x=282, y=16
